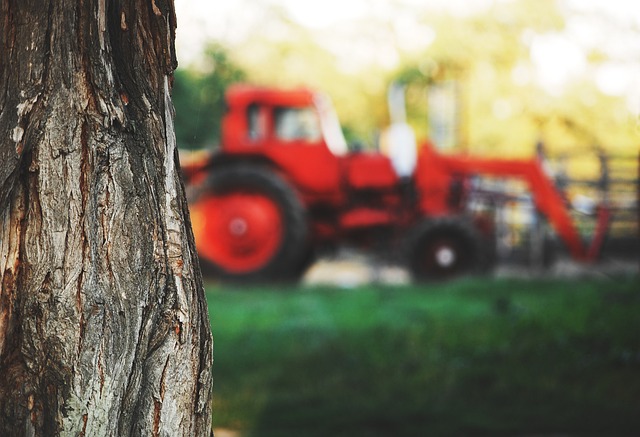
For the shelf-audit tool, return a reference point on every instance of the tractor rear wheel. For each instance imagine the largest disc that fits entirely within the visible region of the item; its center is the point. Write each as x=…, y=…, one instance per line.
x=249, y=225
x=444, y=248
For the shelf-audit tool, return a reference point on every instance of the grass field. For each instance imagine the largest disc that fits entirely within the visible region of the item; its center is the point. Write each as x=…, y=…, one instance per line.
x=475, y=357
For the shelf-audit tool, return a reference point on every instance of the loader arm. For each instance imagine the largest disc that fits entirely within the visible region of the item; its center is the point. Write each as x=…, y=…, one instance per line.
x=546, y=197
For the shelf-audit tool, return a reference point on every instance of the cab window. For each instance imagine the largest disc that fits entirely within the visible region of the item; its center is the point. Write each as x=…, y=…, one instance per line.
x=256, y=122
x=297, y=124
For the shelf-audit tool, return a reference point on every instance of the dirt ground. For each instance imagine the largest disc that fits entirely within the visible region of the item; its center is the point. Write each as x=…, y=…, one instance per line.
x=351, y=270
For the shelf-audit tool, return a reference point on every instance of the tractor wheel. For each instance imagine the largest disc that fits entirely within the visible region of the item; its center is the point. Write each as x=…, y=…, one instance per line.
x=249, y=225
x=444, y=248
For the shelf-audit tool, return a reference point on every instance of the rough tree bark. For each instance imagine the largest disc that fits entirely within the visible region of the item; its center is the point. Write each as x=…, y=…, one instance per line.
x=103, y=324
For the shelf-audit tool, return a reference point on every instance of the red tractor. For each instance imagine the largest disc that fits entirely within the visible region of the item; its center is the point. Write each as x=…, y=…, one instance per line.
x=283, y=185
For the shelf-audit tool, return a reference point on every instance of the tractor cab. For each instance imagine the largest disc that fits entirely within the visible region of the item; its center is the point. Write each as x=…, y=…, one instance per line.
x=266, y=117
x=298, y=131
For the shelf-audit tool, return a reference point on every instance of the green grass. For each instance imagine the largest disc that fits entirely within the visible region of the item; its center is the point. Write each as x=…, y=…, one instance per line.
x=483, y=357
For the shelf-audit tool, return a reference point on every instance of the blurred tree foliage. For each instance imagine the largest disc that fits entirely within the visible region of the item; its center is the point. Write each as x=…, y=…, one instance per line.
x=198, y=97
x=488, y=54
x=505, y=111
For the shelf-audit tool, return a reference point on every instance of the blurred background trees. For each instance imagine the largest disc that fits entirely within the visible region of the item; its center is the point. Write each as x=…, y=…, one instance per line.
x=518, y=72
x=198, y=96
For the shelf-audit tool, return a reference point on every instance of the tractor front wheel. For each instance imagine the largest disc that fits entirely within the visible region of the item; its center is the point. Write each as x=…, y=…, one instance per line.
x=249, y=225
x=444, y=248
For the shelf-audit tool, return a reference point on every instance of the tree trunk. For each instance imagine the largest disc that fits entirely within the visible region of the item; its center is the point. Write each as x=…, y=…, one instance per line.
x=103, y=323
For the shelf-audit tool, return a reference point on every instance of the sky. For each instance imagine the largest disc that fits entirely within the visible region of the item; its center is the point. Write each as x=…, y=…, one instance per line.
x=557, y=58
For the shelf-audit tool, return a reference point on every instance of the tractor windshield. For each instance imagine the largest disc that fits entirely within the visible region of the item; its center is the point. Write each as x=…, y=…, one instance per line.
x=330, y=125
x=297, y=124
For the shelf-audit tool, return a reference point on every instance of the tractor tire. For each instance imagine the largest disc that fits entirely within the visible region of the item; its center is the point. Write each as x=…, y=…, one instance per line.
x=249, y=226
x=445, y=248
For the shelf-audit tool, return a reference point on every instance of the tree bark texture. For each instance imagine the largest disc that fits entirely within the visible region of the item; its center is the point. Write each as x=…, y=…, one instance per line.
x=104, y=328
